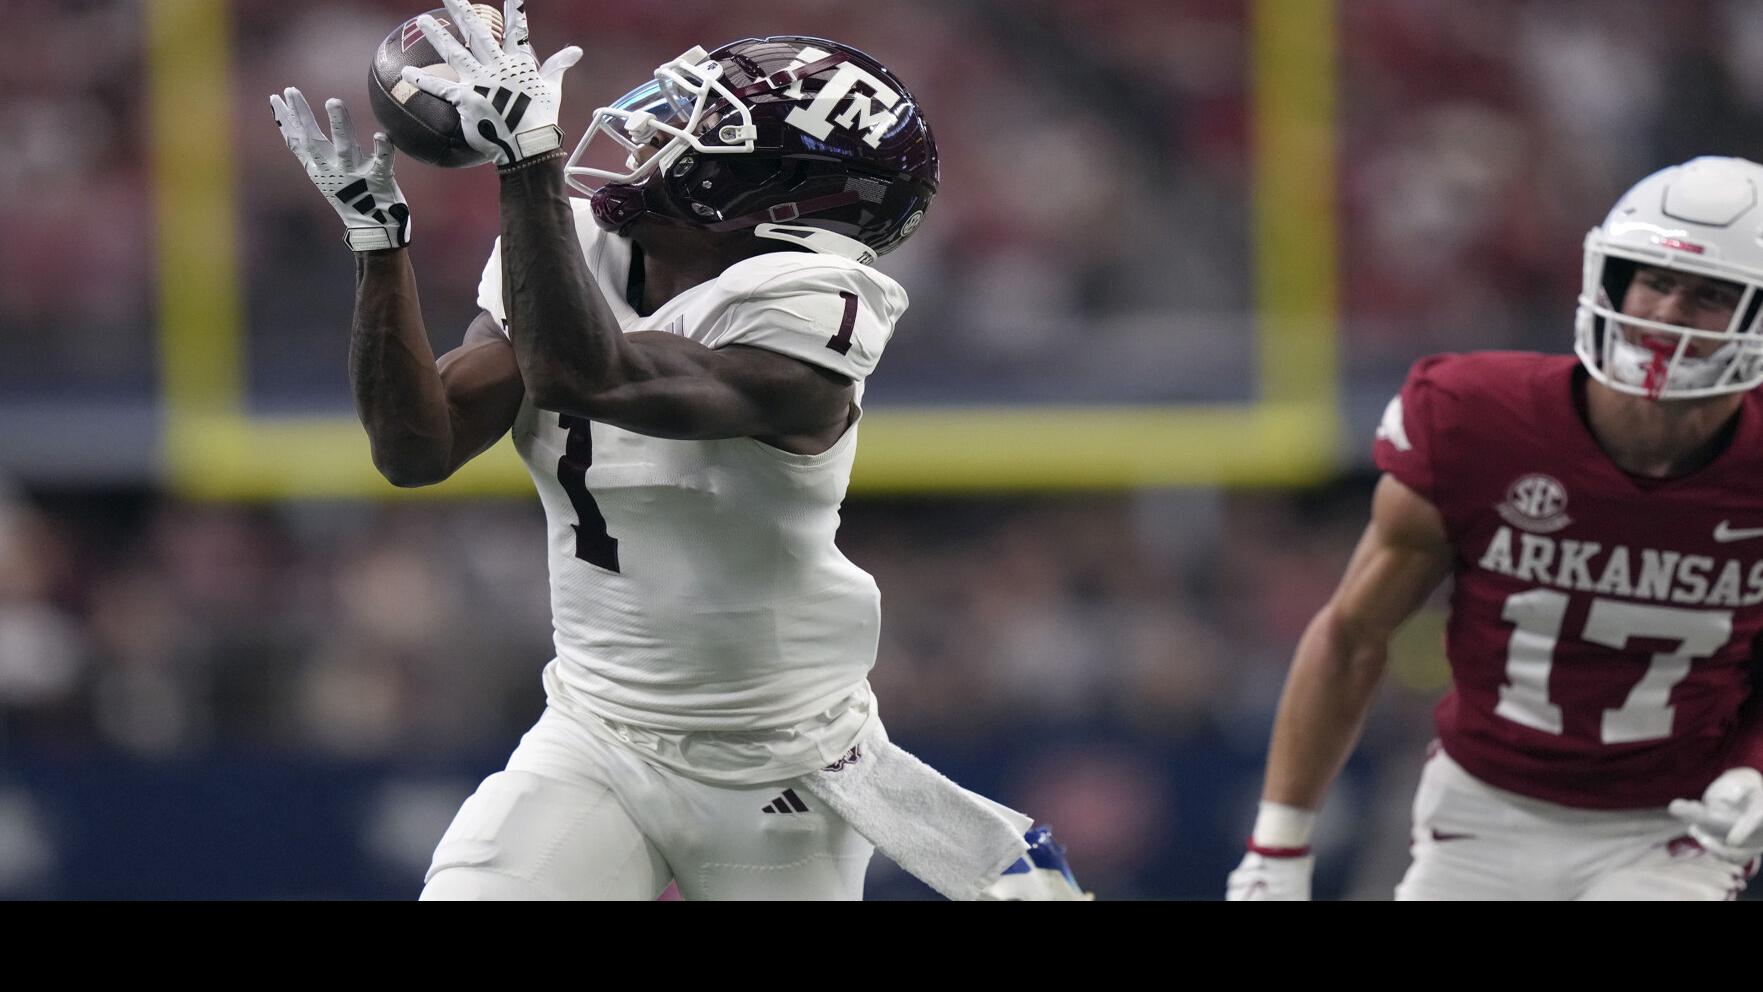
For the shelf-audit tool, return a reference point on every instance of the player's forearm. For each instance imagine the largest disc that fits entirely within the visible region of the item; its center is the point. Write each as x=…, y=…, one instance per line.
x=566, y=339
x=398, y=392
x=1330, y=689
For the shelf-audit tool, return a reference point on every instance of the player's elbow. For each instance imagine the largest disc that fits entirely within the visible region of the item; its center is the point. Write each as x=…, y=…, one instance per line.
x=406, y=478
x=413, y=480
x=552, y=398
x=593, y=401
x=1355, y=644
x=408, y=470
x=588, y=389
x=556, y=394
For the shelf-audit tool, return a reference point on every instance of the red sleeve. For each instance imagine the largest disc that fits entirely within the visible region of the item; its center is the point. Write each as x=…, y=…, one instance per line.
x=1404, y=442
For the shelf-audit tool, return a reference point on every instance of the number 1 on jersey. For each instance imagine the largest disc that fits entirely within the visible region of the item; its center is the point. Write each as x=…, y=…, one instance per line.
x=592, y=544
x=841, y=341
x=1536, y=620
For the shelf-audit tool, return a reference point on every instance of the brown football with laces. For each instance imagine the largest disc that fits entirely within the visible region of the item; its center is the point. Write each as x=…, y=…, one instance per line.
x=422, y=125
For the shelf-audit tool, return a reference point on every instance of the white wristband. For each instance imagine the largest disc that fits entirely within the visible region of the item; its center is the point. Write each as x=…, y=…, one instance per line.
x=538, y=140
x=368, y=239
x=1280, y=826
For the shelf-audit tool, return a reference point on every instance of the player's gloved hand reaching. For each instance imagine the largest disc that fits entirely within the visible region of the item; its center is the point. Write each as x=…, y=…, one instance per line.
x=1279, y=864
x=1271, y=877
x=361, y=188
x=1728, y=820
x=507, y=102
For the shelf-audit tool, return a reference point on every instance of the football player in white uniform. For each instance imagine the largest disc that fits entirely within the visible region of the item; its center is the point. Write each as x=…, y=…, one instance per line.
x=681, y=357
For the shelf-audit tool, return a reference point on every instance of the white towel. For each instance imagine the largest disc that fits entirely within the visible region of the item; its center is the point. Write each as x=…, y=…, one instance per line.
x=955, y=841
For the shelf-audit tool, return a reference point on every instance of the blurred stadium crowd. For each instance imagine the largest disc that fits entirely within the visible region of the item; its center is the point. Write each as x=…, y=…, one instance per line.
x=1107, y=662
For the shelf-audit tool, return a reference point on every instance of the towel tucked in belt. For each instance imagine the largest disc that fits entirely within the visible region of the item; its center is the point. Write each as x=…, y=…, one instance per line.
x=957, y=842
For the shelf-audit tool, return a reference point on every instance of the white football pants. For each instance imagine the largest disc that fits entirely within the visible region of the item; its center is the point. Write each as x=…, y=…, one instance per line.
x=1473, y=841
x=574, y=817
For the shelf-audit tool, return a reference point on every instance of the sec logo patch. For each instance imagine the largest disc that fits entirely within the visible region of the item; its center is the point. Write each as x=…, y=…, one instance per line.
x=1537, y=503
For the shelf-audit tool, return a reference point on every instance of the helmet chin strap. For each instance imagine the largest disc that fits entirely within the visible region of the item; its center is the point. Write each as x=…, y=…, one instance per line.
x=818, y=240
x=616, y=208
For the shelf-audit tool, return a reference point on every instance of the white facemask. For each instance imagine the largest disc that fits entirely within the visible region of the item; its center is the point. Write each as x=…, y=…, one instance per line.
x=1634, y=365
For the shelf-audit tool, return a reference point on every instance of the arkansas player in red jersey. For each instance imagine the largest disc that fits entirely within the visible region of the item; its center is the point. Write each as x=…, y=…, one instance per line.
x=1602, y=520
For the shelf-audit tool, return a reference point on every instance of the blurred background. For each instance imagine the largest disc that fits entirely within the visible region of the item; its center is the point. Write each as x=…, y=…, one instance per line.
x=1184, y=252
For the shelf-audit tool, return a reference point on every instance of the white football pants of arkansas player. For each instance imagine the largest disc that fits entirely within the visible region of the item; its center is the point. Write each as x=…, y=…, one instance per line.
x=575, y=817
x=1473, y=841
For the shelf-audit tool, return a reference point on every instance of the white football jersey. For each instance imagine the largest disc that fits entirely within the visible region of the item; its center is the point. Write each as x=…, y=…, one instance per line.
x=701, y=609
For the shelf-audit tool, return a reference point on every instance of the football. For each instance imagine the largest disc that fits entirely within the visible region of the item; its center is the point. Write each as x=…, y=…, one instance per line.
x=422, y=125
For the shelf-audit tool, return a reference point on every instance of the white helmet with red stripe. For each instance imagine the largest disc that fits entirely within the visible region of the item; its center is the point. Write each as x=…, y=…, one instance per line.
x=1705, y=218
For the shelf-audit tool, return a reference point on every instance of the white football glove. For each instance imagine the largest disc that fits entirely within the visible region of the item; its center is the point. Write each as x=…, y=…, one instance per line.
x=507, y=102
x=1728, y=820
x=1267, y=878
x=363, y=190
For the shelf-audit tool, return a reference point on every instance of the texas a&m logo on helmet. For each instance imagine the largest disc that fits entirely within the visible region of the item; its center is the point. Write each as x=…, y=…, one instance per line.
x=867, y=109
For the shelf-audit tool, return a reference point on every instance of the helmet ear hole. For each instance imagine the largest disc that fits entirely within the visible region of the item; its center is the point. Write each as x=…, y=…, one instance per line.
x=1751, y=312
x=1618, y=273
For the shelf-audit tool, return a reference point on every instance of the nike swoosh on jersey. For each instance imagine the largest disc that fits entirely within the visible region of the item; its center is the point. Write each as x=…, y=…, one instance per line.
x=1441, y=836
x=1725, y=533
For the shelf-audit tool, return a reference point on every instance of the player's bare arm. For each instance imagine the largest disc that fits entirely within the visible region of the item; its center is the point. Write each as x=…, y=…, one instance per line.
x=424, y=419
x=1402, y=557
x=575, y=359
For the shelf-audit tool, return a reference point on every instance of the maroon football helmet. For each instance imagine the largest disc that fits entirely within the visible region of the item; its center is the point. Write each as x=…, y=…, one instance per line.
x=796, y=138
